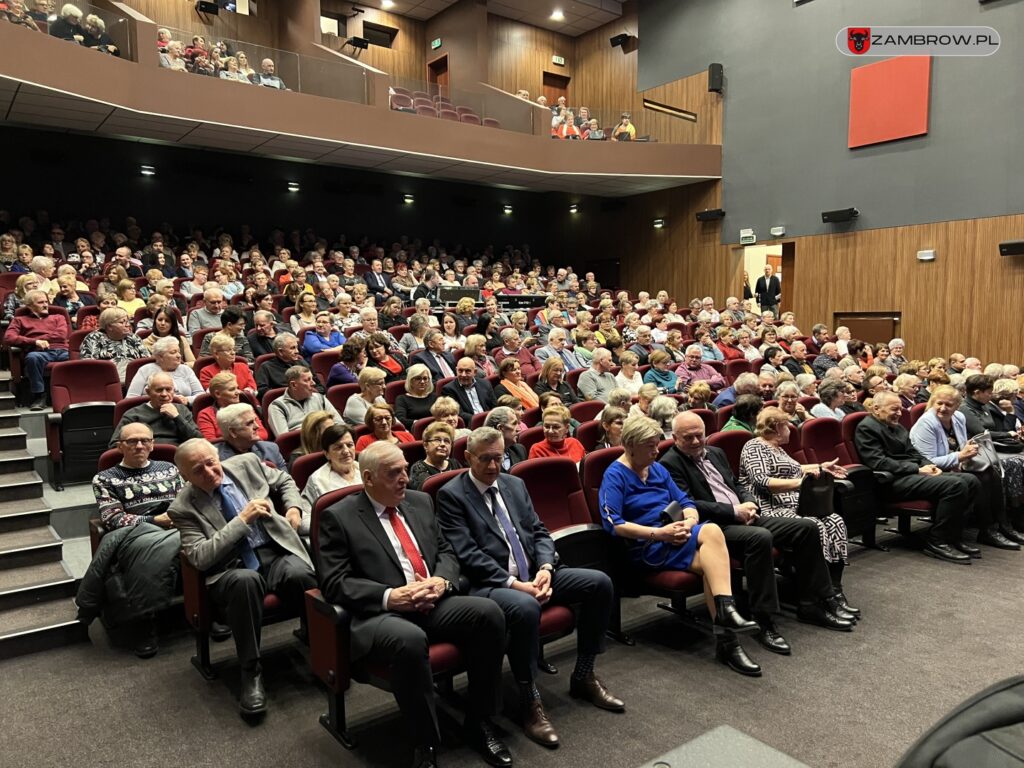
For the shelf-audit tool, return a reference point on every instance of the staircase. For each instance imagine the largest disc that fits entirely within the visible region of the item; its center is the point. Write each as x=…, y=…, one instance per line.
x=36, y=588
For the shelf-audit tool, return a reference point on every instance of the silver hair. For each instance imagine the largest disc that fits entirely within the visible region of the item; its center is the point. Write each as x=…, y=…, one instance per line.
x=186, y=449
x=166, y=344
x=374, y=454
x=482, y=436
x=281, y=339
x=499, y=416
x=230, y=416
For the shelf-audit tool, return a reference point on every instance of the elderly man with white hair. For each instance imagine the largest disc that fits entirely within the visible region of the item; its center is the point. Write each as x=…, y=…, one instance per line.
x=267, y=77
x=733, y=311
x=44, y=267
x=694, y=369
x=829, y=358
x=167, y=358
x=597, y=382
x=707, y=304
x=745, y=384
x=208, y=315
x=299, y=400
x=45, y=339
x=556, y=348
x=239, y=426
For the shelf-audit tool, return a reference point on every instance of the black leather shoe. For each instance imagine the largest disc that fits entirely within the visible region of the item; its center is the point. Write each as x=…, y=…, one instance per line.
x=968, y=549
x=942, y=551
x=1012, y=535
x=771, y=640
x=833, y=606
x=841, y=597
x=547, y=668
x=593, y=690
x=483, y=735
x=728, y=619
x=731, y=654
x=253, y=699
x=219, y=632
x=424, y=757
x=993, y=537
x=819, y=615
x=146, y=642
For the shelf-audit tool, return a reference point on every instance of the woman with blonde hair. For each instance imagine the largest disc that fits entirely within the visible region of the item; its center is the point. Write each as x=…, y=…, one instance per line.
x=438, y=439
x=773, y=478
x=476, y=350
x=635, y=491
x=371, y=391
x=310, y=433
x=127, y=297
x=27, y=282
x=225, y=391
x=446, y=409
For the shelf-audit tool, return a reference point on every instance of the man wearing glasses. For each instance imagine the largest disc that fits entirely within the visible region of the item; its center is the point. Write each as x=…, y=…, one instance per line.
x=133, y=498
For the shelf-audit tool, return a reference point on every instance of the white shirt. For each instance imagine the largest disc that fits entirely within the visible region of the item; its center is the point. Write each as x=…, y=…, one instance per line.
x=385, y=522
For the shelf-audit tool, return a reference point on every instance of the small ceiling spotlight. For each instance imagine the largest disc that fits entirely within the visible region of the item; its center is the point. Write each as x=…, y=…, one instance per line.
x=574, y=208
x=147, y=170
x=659, y=223
x=387, y=4
x=507, y=210
x=557, y=15
x=293, y=186
x=408, y=199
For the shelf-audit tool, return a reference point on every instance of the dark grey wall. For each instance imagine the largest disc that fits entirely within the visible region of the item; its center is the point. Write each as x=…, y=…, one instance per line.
x=787, y=104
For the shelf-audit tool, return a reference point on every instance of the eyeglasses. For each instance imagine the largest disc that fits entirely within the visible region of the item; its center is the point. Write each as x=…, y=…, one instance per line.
x=133, y=441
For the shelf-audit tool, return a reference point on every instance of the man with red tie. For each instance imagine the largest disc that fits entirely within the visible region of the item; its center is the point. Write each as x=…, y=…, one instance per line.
x=383, y=558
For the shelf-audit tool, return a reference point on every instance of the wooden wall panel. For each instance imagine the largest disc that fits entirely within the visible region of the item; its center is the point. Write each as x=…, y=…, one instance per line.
x=519, y=54
x=964, y=301
x=261, y=29
x=405, y=58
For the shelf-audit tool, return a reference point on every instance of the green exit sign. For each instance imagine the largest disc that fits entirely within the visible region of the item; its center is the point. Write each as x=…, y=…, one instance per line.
x=559, y=60
x=435, y=43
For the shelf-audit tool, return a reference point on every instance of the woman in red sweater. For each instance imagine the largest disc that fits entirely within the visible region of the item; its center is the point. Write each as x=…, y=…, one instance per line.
x=557, y=442
x=225, y=391
x=380, y=418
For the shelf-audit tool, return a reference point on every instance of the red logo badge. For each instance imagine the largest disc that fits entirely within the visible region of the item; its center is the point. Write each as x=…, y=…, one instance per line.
x=858, y=39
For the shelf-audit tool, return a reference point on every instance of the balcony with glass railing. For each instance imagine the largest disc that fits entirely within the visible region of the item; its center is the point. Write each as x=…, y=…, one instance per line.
x=79, y=24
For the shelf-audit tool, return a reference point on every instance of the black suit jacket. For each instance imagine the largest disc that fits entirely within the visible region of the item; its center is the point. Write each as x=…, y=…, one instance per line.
x=484, y=391
x=794, y=367
x=689, y=478
x=358, y=563
x=377, y=283
x=426, y=357
x=516, y=453
x=887, y=449
x=476, y=536
x=766, y=293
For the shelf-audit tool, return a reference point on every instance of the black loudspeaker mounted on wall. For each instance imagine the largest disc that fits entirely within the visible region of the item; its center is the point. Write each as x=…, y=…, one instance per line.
x=203, y=6
x=716, y=78
x=843, y=214
x=712, y=214
x=1011, y=248
x=619, y=40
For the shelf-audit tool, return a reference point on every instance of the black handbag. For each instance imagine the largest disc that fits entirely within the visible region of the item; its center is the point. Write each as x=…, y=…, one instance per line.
x=816, y=495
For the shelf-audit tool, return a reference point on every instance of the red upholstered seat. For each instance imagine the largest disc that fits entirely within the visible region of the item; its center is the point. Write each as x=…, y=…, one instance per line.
x=490, y=122
x=732, y=443
x=556, y=491
x=709, y=417
x=588, y=433
x=339, y=394
x=471, y=119
x=587, y=410
x=672, y=581
x=530, y=436
x=722, y=415
x=305, y=466
x=734, y=368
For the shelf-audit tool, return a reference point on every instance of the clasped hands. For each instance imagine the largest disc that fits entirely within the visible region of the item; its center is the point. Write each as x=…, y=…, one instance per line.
x=422, y=595
x=540, y=587
x=675, y=534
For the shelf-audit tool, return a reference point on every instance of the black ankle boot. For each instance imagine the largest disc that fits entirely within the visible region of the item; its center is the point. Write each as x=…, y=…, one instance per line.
x=727, y=618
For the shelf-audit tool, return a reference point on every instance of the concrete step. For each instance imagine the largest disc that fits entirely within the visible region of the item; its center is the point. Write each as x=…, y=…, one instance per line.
x=35, y=584
x=9, y=419
x=7, y=402
x=18, y=460
x=29, y=546
x=23, y=513
x=22, y=485
x=13, y=438
x=40, y=626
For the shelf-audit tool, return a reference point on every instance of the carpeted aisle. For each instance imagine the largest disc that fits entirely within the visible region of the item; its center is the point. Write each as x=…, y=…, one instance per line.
x=933, y=634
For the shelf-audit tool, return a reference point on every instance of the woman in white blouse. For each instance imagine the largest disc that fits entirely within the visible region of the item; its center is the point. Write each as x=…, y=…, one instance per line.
x=340, y=471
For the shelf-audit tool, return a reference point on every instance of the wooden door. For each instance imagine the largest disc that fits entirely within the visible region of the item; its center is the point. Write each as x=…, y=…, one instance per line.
x=555, y=86
x=872, y=327
x=437, y=76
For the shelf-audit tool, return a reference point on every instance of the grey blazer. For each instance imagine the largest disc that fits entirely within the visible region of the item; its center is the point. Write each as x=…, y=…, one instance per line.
x=210, y=543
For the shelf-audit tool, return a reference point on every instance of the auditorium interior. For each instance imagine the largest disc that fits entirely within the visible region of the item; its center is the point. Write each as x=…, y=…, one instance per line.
x=623, y=159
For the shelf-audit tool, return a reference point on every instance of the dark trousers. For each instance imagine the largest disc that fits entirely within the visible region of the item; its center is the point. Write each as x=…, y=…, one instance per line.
x=588, y=589
x=402, y=641
x=951, y=493
x=239, y=593
x=752, y=546
x=991, y=507
x=35, y=366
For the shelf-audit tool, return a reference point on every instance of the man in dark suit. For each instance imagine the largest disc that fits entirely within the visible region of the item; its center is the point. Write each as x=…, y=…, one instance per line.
x=507, y=555
x=884, y=446
x=768, y=291
x=231, y=532
x=504, y=420
x=377, y=282
x=472, y=394
x=797, y=362
x=704, y=473
x=384, y=559
x=440, y=362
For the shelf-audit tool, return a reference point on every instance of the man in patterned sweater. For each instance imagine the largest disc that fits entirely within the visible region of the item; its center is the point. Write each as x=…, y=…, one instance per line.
x=134, y=492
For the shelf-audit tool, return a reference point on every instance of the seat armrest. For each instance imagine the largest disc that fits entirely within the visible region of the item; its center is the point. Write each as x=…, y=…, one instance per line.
x=53, y=444
x=197, y=598
x=330, y=641
x=884, y=478
x=583, y=546
x=96, y=533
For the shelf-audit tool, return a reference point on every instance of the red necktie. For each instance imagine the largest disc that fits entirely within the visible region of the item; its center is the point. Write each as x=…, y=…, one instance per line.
x=408, y=547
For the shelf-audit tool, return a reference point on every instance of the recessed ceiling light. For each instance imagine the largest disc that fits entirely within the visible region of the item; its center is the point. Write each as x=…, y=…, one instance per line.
x=386, y=4
x=147, y=170
x=659, y=223
x=408, y=199
x=557, y=15
x=293, y=186
x=507, y=210
x=574, y=208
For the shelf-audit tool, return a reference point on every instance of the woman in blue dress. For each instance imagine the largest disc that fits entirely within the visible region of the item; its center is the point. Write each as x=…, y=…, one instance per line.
x=634, y=491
